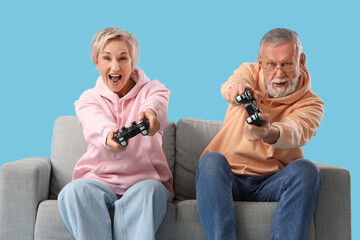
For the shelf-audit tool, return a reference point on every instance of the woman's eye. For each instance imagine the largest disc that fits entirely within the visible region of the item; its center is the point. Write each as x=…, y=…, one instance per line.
x=107, y=58
x=123, y=58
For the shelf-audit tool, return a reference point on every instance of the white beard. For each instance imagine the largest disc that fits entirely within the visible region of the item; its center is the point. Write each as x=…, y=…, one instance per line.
x=281, y=92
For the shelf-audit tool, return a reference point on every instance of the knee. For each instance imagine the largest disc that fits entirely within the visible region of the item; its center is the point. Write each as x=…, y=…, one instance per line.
x=212, y=162
x=73, y=187
x=151, y=188
x=307, y=172
x=212, y=167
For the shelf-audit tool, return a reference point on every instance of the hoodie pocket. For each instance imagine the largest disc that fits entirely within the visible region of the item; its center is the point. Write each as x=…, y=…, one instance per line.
x=139, y=167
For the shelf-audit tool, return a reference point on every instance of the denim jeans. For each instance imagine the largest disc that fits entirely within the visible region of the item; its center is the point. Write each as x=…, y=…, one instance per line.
x=294, y=188
x=84, y=204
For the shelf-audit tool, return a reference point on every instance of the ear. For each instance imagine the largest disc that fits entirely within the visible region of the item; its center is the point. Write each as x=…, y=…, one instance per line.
x=259, y=60
x=302, y=60
x=132, y=66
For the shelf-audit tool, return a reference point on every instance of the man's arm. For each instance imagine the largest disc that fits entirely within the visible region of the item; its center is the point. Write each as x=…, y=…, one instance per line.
x=293, y=131
x=242, y=78
x=300, y=126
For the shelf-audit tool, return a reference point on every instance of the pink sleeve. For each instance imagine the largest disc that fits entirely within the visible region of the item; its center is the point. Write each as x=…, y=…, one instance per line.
x=157, y=99
x=96, y=123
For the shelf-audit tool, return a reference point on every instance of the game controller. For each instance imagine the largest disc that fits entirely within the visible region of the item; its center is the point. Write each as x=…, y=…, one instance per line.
x=125, y=134
x=249, y=103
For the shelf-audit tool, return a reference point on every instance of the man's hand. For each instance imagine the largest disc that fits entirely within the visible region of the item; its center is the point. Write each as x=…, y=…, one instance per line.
x=111, y=144
x=265, y=132
x=239, y=88
x=154, y=124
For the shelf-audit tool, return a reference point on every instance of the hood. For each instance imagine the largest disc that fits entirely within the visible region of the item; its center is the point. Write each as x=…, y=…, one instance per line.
x=137, y=75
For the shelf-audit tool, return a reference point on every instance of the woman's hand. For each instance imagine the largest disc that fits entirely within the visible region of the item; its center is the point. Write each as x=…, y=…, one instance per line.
x=154, y=124
x=111, y=144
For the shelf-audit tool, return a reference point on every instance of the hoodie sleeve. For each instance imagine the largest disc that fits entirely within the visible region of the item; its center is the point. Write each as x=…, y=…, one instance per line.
x=157, y=99
x=245, y=73
x=300, y=126
x=96, y=123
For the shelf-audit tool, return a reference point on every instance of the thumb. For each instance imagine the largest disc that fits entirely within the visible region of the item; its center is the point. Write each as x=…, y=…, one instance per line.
x=141, y=115
x=265, y=117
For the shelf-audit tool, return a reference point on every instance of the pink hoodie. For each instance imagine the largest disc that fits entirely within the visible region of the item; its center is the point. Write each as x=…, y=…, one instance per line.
x=99, y=109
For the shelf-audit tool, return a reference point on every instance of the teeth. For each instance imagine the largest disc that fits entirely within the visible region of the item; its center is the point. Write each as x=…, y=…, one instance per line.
x=279, y=81
x=115, y=75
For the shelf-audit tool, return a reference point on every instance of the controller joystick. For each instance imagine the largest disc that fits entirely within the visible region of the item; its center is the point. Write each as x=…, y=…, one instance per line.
x=249, y=103
x=125, y=134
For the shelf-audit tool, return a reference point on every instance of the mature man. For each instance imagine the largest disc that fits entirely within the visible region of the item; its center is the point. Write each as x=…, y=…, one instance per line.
x=245, y=162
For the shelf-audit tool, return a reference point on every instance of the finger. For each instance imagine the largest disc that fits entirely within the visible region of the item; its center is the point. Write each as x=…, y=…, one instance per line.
x=257, y=94
x=141, y=115
x=154, y=124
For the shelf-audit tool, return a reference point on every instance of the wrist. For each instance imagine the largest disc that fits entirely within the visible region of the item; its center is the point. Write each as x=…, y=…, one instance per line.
x=273, y=135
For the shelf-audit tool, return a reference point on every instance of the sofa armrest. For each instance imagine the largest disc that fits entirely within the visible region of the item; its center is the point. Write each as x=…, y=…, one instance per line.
x=23, y=185
x=333, y=208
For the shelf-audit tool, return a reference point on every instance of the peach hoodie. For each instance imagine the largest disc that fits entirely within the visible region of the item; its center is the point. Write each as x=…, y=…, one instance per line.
x=297, y=116
x=98, y=110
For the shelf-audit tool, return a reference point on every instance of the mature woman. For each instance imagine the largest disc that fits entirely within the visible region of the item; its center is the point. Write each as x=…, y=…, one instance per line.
x=135, y=179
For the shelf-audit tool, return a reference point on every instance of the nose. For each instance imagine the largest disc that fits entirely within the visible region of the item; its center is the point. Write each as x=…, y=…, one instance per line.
x=115, y=66
x=279, y=72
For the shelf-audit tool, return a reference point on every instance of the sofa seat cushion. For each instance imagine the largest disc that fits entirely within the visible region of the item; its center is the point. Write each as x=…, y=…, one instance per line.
x=181, y=222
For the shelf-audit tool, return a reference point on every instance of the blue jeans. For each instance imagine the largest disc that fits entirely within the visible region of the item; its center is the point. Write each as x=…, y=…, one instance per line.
x=84, y=204
x=294, y=188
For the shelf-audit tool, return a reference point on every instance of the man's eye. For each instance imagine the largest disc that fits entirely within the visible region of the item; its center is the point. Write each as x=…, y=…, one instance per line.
x=271, y=64
x=288, y=64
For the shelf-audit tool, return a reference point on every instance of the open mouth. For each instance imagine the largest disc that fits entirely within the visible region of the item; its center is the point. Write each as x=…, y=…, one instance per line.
x=279, y=83
x=115, y=79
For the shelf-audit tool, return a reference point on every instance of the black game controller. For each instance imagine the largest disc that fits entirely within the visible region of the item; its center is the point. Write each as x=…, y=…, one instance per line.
x=122, y=136
x=249, y=103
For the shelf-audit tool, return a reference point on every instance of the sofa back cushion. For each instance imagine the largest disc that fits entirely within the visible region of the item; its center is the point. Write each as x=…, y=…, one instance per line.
x=192, y=137
x=68, y=145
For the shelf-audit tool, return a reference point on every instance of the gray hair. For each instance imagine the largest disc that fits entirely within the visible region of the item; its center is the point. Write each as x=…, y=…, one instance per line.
x=279, y=36
x=104, y=36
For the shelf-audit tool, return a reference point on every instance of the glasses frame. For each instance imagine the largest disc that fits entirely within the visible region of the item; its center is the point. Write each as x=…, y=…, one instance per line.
x=283, y=66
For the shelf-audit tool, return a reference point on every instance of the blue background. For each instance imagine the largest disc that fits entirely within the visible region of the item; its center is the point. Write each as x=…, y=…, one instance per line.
x=190, y=46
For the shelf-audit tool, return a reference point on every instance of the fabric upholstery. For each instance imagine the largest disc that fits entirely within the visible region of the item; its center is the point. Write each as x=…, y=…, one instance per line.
x=192, y=136
x=29, y=187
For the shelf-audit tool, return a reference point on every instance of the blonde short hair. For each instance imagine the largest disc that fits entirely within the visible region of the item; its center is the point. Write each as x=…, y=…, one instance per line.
x=102, y=37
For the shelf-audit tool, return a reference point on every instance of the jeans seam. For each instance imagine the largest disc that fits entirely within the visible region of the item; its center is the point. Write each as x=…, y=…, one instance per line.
x=122, y=218
x=278, y=220
x=74, y=230
x=280, y=208
x=269, y=185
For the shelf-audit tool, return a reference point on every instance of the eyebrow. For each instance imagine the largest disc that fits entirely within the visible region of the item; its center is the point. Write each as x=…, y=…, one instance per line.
x=123, y=53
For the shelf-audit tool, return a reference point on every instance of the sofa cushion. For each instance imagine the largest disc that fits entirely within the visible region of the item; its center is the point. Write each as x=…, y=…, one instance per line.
x=181, y=222
x=68, y=145
x=192, y=136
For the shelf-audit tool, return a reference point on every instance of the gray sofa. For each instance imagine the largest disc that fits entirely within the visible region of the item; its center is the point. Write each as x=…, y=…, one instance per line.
x=29, y=188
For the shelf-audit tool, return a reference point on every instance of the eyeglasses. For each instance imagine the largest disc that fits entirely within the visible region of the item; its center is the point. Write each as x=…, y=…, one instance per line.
x=287, y=66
